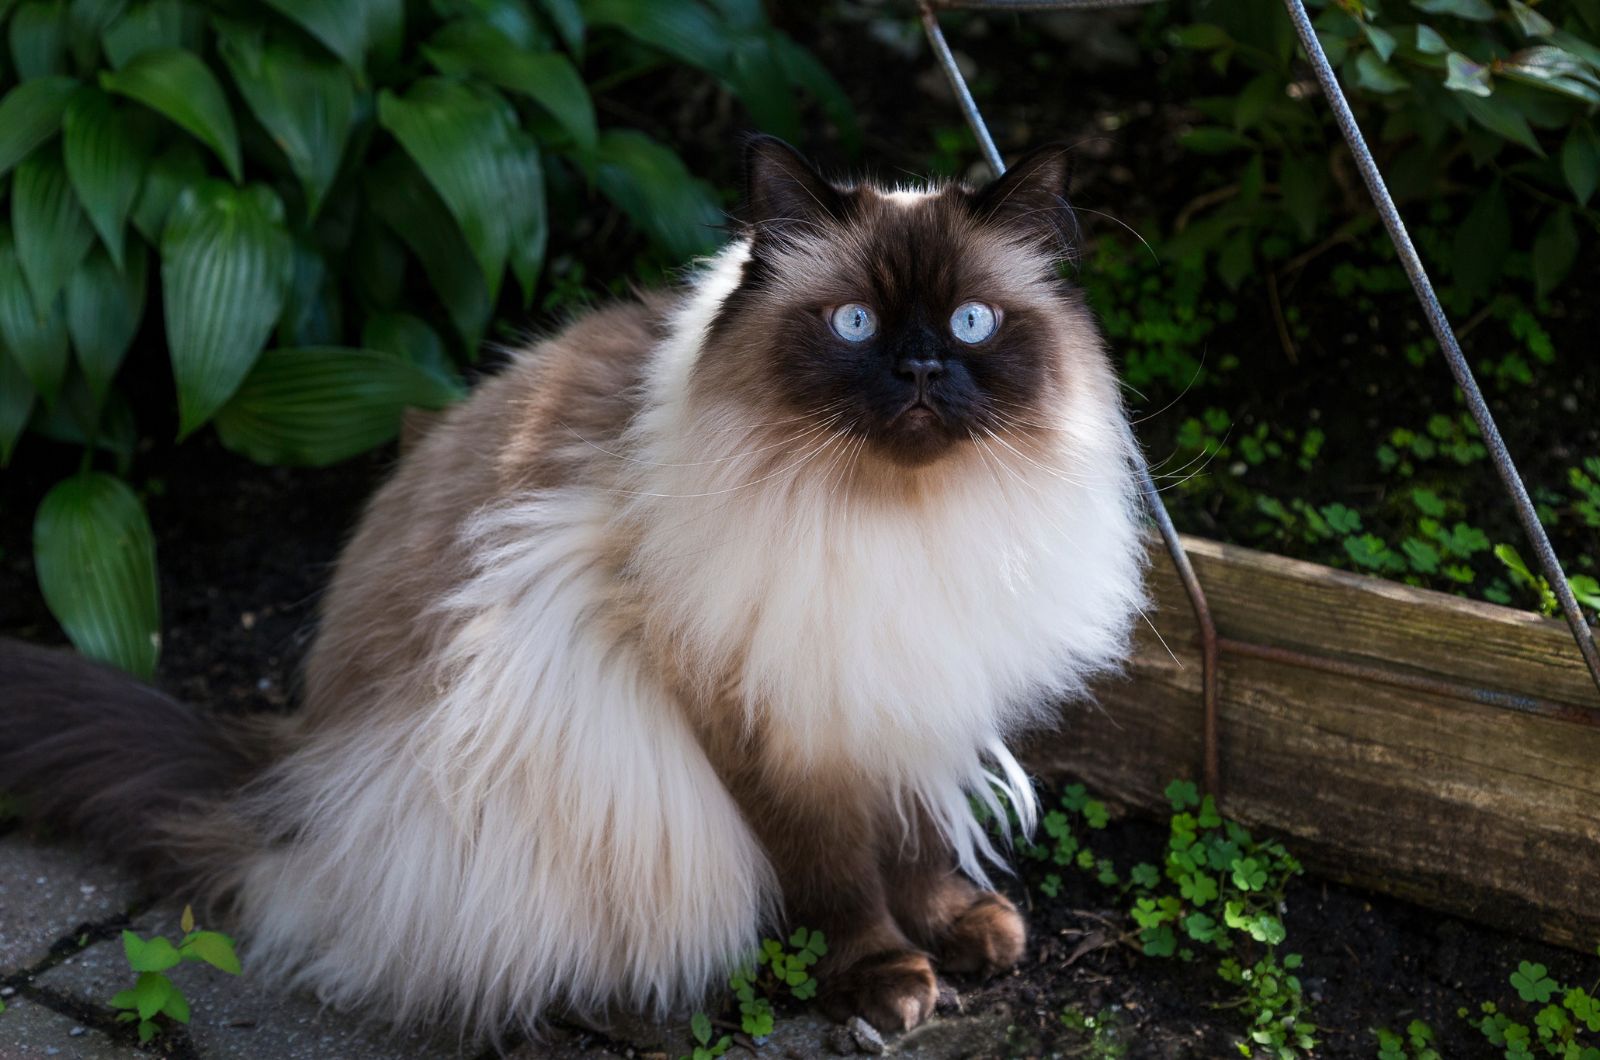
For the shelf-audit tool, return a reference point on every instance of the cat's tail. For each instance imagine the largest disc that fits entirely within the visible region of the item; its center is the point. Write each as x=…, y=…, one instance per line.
x=136, y=772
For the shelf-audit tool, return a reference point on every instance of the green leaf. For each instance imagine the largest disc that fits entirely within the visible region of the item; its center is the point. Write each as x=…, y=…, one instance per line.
x=412, y=340
x=168, y=174
x=656, y=191
x=460, y=139
x=1303, y=181
x=307, y=104
x=803, y=69
x=1555, y=250
x=37, y=339
x=685, y=29
x=1373, y=74
x=1382, y=41
x=51, y=230
x=1214, y=140
x=522, y=181
x=30, y=114
x=104, y=306
x=225, y=270
x=700, y=1027
x=96, y=561
x=315, y=406
x=176, y=84
x=1554, y=69
x=176, y=1006
x=215, y=948
x=1498, y=114
x=349, y=28
x=756, y=77
x=1464, y=75
x=153, y=25
x=147, y=955
x=86, y=21
x=1580, y=162
x=150, y=993
x=105, y=163
x=549, y=79
x=1472, y=10
x=1529, y=21
x=402, y=197
x=16, y=403
x=567, y=18
x=1429, y=42
x=38, y=34
x=311, y=315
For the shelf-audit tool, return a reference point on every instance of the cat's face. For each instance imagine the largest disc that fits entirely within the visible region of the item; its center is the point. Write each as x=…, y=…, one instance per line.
x=915, y=322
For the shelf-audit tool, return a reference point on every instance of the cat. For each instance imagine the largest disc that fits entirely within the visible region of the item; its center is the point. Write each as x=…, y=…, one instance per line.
x=711, y=613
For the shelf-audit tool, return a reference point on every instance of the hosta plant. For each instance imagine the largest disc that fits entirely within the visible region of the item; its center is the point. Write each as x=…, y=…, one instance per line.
x=317, y=208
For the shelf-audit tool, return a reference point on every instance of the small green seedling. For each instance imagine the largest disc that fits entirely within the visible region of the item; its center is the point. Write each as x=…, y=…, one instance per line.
x=705, y=1048
x=1566, y=1026
x=153, y=995
x=1415, y=1044
x=772, y=969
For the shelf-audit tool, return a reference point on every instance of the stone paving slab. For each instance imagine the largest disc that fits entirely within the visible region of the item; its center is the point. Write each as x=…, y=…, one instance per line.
x=47, y=891
x=29, y=1031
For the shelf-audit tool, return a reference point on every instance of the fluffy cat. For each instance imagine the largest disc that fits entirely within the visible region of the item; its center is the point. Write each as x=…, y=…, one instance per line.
x=710, y=612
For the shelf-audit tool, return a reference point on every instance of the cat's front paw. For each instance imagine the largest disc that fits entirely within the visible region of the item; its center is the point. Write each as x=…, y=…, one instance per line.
x=989, y=936
x=893, y=991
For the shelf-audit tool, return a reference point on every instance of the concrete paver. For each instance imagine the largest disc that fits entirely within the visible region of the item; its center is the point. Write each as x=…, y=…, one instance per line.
x=48, y=890
x=29, y=1030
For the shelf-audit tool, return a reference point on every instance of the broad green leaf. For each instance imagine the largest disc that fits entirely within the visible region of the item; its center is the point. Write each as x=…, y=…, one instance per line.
x=1382, y=40
x=16, y=402
x=651, y=185
x=96, y=561
x=1555, y=250
x=756, y=77
x=225, y=269
x=169, y=173
x=151, y=25
x=176, y=1006
x=1472, y=10
x=30, y=114
x=51, y=230
x=348, y=28
x=549, y=79
x=684, y=29
x=1529, y=21
x=104, y=307
x=319, y=405
x=149, y=955
x=311, y=313
x=176, y=84
x=1464, y=75
x=81, y=419
x=1500, y=115
x=105, y=163
x=86, y=21
x=306, y=103
x=1429, y=42
x=459, y=138
x=36, y=339
x=522, y=177
x=1303, y=181
x=1580, y=162
x=38, y=34
x=407, y=204
x=216, y=949
x=411, y=339
x=567, y=17
x=1373, y=74
x=1556, y=69
x=150, y=993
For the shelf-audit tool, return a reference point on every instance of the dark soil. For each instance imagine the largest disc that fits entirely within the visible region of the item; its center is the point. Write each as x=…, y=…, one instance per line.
x=244, y=551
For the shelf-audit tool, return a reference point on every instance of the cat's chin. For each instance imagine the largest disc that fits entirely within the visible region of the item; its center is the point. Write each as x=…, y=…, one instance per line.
x=918, y=437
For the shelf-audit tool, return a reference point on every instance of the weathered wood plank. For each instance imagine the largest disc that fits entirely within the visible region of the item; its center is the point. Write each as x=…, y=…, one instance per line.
x=1484, y=811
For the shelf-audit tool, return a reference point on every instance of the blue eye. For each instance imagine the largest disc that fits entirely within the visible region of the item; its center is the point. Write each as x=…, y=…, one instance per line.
x=854, y=322
x=973, y=322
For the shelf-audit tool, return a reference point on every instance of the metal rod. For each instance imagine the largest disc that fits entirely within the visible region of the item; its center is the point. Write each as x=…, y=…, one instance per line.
x=1446, y=336
x=1436, y=686
x=1211, y=772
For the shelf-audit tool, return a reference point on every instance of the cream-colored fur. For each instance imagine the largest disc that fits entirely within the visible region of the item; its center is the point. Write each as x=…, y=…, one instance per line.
x=521, y=814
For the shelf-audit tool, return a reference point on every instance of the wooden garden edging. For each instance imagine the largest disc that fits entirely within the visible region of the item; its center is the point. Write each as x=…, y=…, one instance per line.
x=1430, y=747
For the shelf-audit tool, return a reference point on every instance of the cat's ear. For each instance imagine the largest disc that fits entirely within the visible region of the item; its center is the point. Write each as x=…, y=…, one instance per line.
x=1031, y=197
x=782, y=193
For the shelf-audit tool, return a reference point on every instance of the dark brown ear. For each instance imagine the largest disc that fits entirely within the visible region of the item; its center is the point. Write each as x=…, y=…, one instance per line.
x=781, y=190
x=1031, y=197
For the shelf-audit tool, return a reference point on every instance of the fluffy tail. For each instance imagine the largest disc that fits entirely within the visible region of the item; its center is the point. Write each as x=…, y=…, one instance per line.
x=91, y=749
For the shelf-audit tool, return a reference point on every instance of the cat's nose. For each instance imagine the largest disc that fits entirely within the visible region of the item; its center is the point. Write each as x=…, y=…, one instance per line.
x=921, y=370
